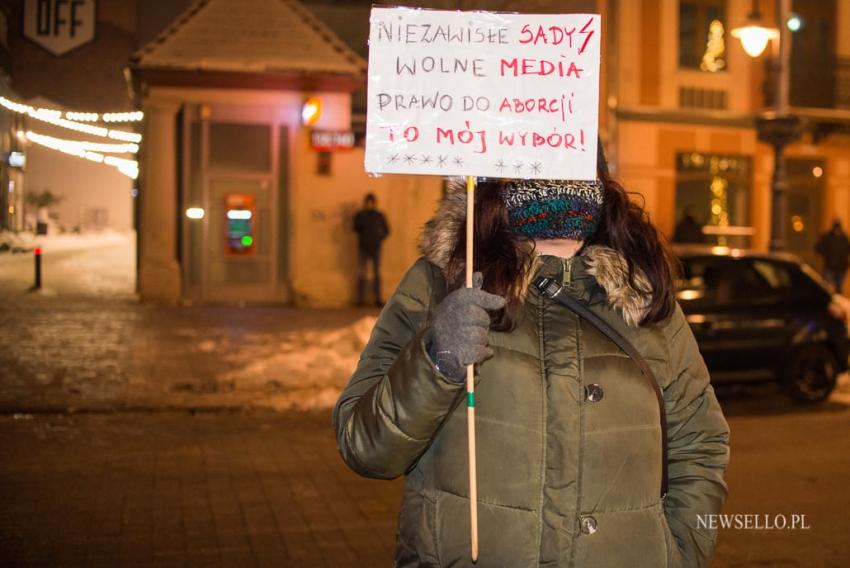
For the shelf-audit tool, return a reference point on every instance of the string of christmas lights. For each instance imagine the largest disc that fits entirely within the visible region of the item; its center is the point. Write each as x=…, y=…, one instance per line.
x=133, y=116
x=54, y=117
x=85, y=145
x=80, y=149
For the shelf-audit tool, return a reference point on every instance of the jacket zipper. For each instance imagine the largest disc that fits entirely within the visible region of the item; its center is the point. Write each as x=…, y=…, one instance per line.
x=541, y=334
x=567, y=264
x=566, y=280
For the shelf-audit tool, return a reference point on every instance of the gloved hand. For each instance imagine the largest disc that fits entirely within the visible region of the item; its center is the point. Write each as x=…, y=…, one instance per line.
x=459, y=329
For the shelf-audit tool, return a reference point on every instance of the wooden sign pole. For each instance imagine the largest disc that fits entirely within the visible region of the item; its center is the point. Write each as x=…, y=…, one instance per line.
x=470, y=380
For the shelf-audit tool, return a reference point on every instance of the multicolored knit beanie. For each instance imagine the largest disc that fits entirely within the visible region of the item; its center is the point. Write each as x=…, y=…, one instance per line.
x=553, y=209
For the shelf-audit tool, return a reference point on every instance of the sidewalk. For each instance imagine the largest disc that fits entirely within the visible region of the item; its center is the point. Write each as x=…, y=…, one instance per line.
x=263, y=488
x=67, y=352
x=142, y=434
x=183, y=489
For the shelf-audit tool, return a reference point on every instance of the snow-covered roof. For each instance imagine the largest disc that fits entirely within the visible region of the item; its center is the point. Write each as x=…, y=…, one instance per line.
x=255, y=36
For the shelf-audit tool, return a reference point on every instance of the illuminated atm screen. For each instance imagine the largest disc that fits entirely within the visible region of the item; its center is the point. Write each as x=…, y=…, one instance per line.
x=240, y=223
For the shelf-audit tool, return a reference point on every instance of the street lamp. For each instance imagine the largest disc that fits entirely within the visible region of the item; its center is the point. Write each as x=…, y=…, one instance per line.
x=754, y=35
x=777, y=128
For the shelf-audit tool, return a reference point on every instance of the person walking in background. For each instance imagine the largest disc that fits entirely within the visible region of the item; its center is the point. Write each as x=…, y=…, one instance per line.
x=834, y=247
x=371, y=228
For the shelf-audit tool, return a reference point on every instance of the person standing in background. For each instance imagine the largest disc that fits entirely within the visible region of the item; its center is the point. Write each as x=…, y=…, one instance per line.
x=834, y=247
x=371, y=228
x=688, y=229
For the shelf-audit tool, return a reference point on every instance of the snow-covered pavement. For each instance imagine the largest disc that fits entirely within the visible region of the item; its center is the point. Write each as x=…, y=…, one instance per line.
x=85, y=342
x=94, y=264
x=60, y=353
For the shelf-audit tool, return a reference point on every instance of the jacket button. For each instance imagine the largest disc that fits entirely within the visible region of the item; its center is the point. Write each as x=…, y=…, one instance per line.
x=593, y=392
x=588, y=525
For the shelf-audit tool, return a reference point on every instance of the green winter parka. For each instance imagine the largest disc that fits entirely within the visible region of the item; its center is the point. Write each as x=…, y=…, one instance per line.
x=568, y=431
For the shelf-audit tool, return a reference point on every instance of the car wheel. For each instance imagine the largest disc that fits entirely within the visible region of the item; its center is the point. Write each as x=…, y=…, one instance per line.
x=811, y=374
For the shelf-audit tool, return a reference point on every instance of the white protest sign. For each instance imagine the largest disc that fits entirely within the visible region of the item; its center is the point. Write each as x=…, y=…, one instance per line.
x=483, y=94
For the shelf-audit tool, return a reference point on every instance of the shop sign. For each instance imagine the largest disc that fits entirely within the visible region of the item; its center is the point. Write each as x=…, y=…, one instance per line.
x=326, y=140
x=60, y=26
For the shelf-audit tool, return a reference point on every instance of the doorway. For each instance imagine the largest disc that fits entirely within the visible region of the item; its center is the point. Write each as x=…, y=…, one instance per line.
x=235, y=253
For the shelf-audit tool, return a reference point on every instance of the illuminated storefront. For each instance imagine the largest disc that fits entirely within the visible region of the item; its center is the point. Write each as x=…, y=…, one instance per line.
x=226, y=154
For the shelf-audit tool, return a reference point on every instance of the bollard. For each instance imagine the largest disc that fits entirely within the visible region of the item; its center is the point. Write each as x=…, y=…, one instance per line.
x=37, y=285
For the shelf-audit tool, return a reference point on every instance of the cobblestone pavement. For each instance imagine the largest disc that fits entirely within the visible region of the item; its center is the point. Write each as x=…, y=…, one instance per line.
x=60, y=352
x=261, y=488
x=184, y=489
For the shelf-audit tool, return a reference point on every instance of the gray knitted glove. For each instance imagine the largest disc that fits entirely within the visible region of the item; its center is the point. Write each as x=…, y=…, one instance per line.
x=459, y=329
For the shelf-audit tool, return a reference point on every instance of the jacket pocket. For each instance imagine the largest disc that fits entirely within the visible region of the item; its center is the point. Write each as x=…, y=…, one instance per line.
x=507, y=536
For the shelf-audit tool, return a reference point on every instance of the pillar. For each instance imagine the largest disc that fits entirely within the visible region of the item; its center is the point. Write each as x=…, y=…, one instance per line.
x=159, y=271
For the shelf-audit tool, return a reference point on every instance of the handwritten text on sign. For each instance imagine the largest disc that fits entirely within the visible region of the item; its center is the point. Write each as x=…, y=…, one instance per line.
x=484, y=94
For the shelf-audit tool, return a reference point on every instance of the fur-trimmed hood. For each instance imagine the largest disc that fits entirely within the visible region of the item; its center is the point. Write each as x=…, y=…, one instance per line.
x=606, y=265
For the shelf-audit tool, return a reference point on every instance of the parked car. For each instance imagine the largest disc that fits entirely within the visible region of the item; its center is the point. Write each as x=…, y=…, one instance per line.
x=765, y=316
x=15, y=242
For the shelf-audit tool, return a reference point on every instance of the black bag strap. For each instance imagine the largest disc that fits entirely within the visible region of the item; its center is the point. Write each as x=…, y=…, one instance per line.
x=553, y=289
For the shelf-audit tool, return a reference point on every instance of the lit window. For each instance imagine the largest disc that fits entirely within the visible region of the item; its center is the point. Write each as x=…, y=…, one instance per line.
x=712, y=197
x=702, y=35
x=714, y=58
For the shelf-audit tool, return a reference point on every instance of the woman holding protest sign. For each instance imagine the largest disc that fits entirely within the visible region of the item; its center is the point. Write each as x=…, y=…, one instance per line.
x=600, y=440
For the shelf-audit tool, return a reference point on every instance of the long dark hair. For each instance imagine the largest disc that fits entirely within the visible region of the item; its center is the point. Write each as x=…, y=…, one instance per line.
x=506, y=259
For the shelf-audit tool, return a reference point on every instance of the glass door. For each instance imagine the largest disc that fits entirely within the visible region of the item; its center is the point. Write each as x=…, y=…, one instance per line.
x=240, y=251
x=240, y=248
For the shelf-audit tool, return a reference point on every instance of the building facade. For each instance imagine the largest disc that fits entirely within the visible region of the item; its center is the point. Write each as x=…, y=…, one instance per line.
x=223, y=84
x=237, y=203
x=12, y=156
x=682, y=98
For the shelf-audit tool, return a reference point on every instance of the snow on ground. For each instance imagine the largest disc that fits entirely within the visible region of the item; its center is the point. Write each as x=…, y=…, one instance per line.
x=304, y=370
x=66, y=241
x=98, y=264
x=85, y=342
x=841, y=394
